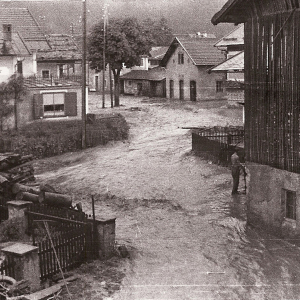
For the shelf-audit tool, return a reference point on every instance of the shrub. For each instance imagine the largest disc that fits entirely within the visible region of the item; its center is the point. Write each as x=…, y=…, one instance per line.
x=47, y=138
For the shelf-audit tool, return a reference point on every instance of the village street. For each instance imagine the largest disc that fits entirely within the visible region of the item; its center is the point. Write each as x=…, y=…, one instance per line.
x=186, y=234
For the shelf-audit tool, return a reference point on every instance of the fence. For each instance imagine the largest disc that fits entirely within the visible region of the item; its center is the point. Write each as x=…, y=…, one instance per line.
x=217, y=143
x=71, y=249
x=72, y=238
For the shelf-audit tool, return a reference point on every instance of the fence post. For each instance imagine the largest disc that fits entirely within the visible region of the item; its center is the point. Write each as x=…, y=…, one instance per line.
x=27, y=264
x=106, y=234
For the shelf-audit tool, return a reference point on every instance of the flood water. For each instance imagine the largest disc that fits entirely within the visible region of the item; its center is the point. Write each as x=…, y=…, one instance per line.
x=188, y=237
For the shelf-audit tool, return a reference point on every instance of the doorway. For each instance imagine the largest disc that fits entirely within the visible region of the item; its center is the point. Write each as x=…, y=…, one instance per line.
x=181, y=90
x=193, y=93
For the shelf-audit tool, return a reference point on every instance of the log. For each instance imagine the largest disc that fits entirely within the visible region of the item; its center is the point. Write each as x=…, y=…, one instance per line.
x=55, y=199
x=26, y=196
x=17, y=187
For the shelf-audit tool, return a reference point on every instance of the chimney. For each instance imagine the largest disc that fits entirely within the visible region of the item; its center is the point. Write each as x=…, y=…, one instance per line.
x=7, y=38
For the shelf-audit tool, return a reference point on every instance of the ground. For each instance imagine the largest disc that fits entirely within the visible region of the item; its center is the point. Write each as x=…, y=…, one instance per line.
x=187, y=236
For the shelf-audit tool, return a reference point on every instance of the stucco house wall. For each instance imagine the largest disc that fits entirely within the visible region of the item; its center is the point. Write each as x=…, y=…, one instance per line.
x=266, y=199
x=205, y=82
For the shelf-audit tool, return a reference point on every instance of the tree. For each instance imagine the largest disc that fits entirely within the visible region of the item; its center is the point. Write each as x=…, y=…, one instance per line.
x=15, y=88
x=126, y=41
x=5, y=108
x=160, y=32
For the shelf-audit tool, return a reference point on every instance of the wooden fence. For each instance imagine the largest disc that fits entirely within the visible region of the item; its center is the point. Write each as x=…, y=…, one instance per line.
x=217, y=143
x=72, y=239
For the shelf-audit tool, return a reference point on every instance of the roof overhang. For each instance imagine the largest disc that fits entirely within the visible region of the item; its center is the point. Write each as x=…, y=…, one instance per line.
x=234, y=11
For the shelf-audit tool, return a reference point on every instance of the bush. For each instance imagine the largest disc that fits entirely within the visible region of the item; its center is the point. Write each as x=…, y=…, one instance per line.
x=45, y=138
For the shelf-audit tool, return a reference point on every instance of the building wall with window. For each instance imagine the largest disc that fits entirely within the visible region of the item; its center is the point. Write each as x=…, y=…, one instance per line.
x=274, y=199
x=53, y=102
x=181, y=70
x=58, y=69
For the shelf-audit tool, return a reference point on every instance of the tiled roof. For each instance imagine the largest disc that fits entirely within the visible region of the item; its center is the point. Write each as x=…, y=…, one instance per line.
x=16, y=47
x=155, y=74
x=63, y=47
x=25, y=25
x=202, y=51
x=234, y=63
x=235, y=37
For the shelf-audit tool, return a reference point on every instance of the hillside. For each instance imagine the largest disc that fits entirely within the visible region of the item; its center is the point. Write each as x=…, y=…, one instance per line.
x=187, y=16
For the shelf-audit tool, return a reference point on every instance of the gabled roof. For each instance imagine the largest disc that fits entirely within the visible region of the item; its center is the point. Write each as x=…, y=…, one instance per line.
x=25, y=26
x=234, y=63
x=200, y=50
x=63, y=47
x=235, y=37
x=155, y=74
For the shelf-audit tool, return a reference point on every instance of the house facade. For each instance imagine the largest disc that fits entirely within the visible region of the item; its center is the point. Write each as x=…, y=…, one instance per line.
x=233, y=47
x=151, y=83
x=20, y=39
x=272, y=43
x=187, y=62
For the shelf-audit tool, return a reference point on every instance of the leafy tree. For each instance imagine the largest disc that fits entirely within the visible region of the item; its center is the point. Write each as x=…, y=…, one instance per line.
x=160, y=32
x=126, y=40
x=5, y=108
x=15, y=87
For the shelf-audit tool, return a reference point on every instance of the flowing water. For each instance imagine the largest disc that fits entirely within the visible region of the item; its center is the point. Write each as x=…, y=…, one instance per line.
x=187, y=236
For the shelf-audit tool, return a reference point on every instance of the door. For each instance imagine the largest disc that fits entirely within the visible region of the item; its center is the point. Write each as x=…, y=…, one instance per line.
x=193, y=94
x=97, y=83
x=181, y=90
x=171, y=89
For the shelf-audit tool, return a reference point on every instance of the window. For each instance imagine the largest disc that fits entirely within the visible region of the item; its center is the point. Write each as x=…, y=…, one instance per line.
x=54, y=104
x=219, y=87
x=180, y=58
x=45, y=73
x=290, y=204
x=129, y=83
x=19, y=67
x=142, y=62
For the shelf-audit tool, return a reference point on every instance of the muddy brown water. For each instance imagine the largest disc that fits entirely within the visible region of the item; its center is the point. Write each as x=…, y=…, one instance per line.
x=186, y=234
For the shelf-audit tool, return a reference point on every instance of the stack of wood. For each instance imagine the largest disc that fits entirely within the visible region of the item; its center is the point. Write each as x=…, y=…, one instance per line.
x=16, y=171
x=14, y=168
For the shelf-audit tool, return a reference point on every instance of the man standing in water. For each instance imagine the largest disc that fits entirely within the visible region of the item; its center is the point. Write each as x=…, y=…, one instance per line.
x=236, y=168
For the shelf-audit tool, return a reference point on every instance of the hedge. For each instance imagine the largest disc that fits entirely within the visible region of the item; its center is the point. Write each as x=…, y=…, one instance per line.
x=45, y=138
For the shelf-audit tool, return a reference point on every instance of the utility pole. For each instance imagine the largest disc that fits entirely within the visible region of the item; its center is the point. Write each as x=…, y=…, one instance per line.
x=83, y=141
x=104, y=48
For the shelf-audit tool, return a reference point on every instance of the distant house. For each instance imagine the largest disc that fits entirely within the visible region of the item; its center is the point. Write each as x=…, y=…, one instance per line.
x=62, y=60
x=187, y=62
x=20, y=39
x=25, y=50
x=156, y=56
x=151, y=83
x=233, y=47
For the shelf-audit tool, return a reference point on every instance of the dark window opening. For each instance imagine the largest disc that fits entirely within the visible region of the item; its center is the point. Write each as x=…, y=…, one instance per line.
x=219, y=87
x=45, y=73
x=290, y=204
x=54, y=108
x=180, y=58
x=19, y=67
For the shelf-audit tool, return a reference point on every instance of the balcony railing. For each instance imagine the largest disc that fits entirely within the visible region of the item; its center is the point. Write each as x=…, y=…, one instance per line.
x=67, y=80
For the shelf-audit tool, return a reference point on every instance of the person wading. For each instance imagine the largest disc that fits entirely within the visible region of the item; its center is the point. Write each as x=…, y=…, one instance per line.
x=236, y=167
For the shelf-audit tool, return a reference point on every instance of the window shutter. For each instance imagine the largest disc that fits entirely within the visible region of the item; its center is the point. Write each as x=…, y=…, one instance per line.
x=38, y=111
x=71, y=104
